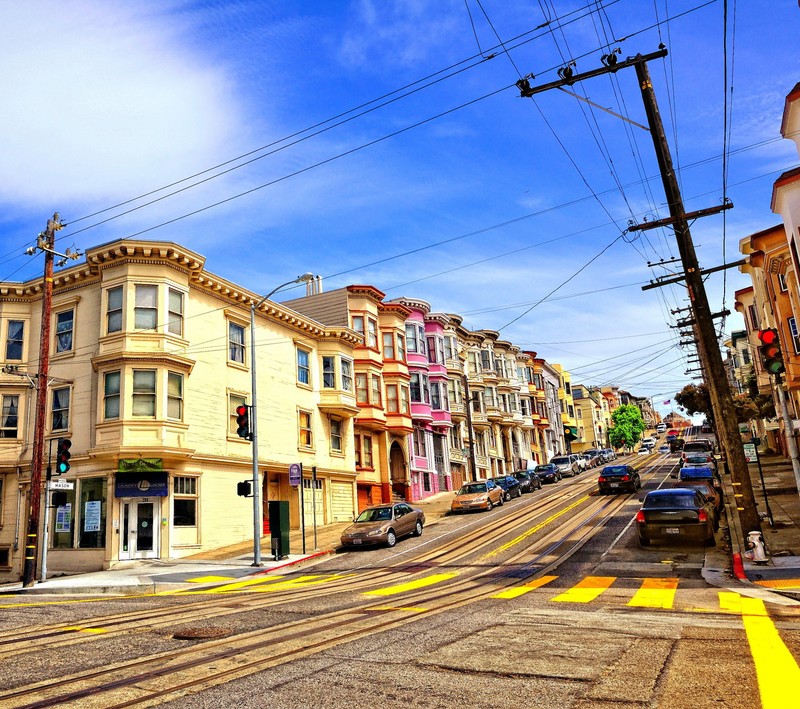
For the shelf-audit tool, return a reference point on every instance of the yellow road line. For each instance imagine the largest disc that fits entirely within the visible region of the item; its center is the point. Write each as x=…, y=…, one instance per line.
x=587, y=590
x=210, y=579
x=776, y=669
x=535, y=529
x=411, y=585
x=655, y=593
x=78, y=628
x=525, y=588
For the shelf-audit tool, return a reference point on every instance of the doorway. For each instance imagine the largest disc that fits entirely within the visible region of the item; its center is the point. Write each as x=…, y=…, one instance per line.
x=139, y=528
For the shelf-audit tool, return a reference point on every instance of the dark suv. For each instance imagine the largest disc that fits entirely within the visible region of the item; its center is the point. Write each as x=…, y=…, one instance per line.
x=528, y=480
x=509, y=484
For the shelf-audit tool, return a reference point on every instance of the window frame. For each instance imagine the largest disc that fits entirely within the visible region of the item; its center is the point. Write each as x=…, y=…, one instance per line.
x=336, y=434
x=55, y=397
x=142, y=310
x=328, y=372
x=234, y=347
x=305, y=433
x=175, y=316
x=303, y=370
x=110, y=397
x=59, y=349
x=113, y=311
x=172, y=399
x=185, y=495
x=6, y=414
x=18, y=341
x=144, y=394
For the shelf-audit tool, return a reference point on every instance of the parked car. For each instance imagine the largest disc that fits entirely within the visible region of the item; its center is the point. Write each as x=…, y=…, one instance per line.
x=583, y=464
x=649, y=441
x=478, y=495
x=699, y=445
x=528, y=480
x=676, y=444
x=699, y=472
x=702, y=460
x=675, y=514
x=509, y=484
x=384, y=524
x=608, y=454
x=644, y=450
x=663, y=449
x=566, y=465
x=547, y=473
x=593, y=457
x=708, y=489
x=618, y=478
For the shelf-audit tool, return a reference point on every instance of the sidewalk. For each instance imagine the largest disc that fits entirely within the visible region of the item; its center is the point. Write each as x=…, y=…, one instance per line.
x=156, y=575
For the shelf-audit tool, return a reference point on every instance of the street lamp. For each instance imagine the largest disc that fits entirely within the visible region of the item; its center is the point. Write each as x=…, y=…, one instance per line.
x=257, y=523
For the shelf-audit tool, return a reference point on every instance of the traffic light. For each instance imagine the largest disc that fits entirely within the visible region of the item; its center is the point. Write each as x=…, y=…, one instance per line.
x=244, y=489
x=243, y=421
x=63, y=455
x=771, y=355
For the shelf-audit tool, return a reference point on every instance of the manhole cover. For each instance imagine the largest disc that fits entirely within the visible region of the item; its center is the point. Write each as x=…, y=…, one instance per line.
x=201, y=633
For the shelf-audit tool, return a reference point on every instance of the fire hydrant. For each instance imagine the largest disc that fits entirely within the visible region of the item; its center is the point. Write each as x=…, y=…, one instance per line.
x=757, y=550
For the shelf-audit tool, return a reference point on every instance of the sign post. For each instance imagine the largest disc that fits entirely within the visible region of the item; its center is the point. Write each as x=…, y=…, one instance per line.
x=752, y=448
x=295, y=479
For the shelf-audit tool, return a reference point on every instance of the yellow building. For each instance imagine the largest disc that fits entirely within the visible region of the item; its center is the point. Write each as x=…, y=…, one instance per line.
x=150, y=356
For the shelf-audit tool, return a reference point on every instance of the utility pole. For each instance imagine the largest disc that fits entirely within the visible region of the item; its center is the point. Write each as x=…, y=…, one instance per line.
x=46, y=243
x=708, y=346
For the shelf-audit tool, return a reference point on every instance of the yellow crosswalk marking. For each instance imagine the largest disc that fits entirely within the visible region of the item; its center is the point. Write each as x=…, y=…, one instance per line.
x=525, y=588
x=268, y=584
x=210, y=579
x=780, y=583
x=587, y=590
x=776, y=669
x=411, y=585
x=655, y=593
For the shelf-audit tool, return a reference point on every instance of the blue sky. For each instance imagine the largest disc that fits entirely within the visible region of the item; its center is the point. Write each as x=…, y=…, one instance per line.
x=375, y=128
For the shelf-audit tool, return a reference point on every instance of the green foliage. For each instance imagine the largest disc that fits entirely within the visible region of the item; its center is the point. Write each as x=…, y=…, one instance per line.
x=696, y=400
x=627, y=426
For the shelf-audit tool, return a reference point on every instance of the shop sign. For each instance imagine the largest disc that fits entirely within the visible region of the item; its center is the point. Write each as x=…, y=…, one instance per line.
x=153, y=484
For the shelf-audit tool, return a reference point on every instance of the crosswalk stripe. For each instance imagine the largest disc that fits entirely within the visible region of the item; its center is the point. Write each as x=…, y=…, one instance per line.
x=776, y=669
x=411, y=585
x=655, y=593
x=210, y=579
x=587, y=590
x=525, y=588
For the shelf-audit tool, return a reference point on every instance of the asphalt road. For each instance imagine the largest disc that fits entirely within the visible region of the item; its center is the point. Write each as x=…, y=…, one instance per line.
x=547, y=601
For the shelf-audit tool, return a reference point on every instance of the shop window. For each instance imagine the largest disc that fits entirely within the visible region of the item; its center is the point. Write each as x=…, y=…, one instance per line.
x=82, y=526
x=184, y=503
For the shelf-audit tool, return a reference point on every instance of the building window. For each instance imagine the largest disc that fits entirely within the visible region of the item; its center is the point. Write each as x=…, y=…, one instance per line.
x=420, y=449
x=235, y=343
x=795, y=337
x=184, y=503
x=336, y=435
x=111, y=391
x=328, y=372
x=362, y=394
x=64, y=329
x=175, y=396
x=401, y=348
x=372, y=333
x=145, y=312
x=439, y=396
x=411, y=337
x=234, y=402
x=376, y=390
x=83, y=516
x=303, y=367
x=10, y=422
x=304, y=426
x=363, y=446
x=388, y=345
x=358, y=325
x=753, y=317
x=782, y=282
x=175, y=314
x=347, y=375
x=392, y=400
x=472, y=362
x=144, y=392
x=14, y=339
x=60, y=413
x=486, y=361
x=114, y=310
x=449, y=350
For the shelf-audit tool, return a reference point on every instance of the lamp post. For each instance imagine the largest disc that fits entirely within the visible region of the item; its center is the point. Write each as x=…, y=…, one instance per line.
x=257, y=522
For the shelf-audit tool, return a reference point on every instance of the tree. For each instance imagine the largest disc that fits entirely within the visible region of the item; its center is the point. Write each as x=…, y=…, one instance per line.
x=696, y=399
x=627, y=426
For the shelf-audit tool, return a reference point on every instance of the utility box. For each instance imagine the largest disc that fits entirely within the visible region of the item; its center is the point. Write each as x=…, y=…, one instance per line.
x=279, y=528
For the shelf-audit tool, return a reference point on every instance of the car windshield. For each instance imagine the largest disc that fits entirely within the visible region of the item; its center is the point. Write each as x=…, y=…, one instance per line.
x=684, y=501
x=502, y=482
x=559, y=461
x=472, y=489
x=378, y=514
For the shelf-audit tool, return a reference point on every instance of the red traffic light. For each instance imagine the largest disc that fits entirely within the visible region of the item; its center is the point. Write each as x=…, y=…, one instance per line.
x=768, y=336
x=243, y=421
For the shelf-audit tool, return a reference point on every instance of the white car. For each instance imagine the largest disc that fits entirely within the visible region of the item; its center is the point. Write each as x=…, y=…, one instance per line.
x=644, y=450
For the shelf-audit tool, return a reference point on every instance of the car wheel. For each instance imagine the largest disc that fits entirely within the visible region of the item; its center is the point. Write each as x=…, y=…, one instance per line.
x=391, y=538
x=489, y=506
x=506, y=496
x=501, y=500
x=418, y=529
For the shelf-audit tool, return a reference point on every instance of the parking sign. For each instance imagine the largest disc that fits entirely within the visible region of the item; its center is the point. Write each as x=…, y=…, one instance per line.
x=295, y=473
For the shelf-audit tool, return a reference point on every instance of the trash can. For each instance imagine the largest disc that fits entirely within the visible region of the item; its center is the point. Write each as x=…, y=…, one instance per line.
x=279, y=528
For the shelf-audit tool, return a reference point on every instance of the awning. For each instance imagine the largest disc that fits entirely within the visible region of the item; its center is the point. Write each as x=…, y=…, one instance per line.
x=571, y=433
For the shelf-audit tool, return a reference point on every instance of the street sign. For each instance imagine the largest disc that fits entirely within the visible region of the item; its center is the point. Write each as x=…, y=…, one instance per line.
x=61, y=485
x=295, y=474
x=750, y=453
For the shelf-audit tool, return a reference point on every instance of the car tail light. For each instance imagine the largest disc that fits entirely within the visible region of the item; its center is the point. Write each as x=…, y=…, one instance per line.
x=625, y=478
x=640, y=516
x=702, y=516
x=601, y=479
